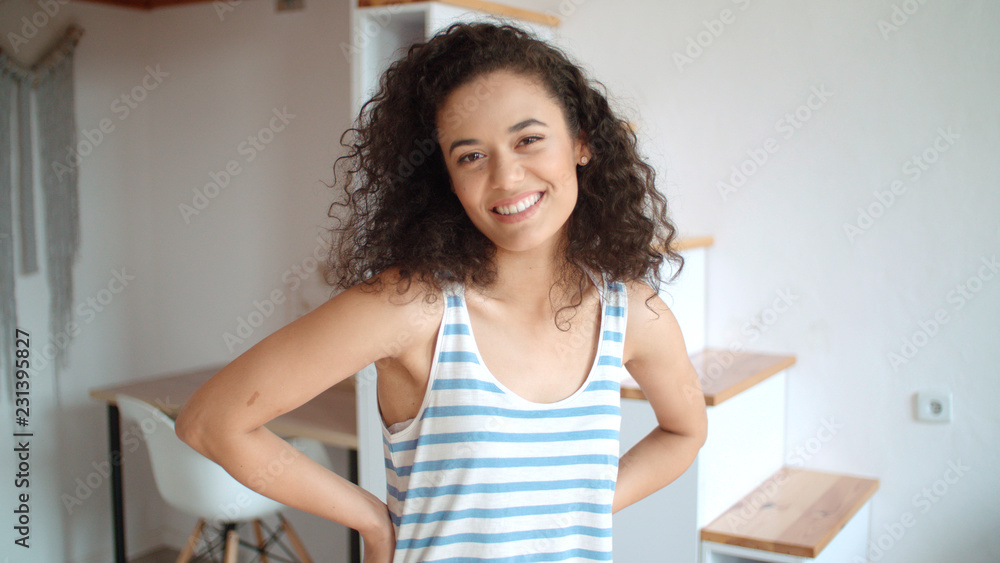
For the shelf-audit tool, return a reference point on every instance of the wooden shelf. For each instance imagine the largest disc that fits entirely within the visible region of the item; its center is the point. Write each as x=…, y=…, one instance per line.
x=724, y=374
x=795, y=511
x=688, y=243
x=479, y=5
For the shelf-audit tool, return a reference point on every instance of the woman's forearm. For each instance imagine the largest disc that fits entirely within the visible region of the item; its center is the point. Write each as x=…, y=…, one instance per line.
x=274, y=468
x=651, y=464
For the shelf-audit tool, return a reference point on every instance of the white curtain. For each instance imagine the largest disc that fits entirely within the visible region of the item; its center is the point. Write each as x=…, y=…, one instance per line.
x=51, y=82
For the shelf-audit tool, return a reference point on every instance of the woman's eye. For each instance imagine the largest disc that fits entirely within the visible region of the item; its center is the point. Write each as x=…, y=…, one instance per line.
x=470, y=157
x=473, y=156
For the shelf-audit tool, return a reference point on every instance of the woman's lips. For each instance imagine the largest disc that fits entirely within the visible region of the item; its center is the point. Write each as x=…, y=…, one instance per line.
x=517, y=208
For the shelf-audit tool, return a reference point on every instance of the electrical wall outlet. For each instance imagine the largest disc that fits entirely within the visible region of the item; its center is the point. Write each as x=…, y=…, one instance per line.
x=934, y=405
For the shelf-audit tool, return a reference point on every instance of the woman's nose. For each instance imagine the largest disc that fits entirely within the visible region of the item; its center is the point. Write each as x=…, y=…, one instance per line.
x=507, y=172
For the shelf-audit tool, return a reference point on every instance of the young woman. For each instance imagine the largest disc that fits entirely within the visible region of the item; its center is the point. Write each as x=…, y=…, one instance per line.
x=500, y=258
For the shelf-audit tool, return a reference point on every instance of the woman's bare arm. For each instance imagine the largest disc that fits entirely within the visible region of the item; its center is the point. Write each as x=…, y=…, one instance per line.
x=657, y=359
x=224, y=418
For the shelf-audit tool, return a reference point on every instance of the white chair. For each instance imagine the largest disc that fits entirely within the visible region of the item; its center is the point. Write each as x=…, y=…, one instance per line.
x=194, y=484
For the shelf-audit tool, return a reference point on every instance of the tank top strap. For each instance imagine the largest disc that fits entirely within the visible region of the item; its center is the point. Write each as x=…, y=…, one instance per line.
x=455, y=341
x=454, y=303
x=614, y=300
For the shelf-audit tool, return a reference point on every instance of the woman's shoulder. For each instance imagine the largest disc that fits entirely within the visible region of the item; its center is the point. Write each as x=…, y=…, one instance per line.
x=644, y=303
x=400, y=312
x=394, y=290
x=392, y=300
x=651, y=323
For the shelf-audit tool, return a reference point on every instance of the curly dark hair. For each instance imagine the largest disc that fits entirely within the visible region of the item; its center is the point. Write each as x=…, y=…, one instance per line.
x=402, y=213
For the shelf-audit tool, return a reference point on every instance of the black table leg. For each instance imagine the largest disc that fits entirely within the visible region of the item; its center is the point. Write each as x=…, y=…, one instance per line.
x=355, y=536
x=117, y=502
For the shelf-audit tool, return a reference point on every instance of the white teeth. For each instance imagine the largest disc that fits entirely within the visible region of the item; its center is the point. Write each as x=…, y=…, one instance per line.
x=520, y=206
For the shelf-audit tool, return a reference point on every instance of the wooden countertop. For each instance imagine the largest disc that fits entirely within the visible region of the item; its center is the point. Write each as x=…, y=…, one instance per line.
x=724, y=374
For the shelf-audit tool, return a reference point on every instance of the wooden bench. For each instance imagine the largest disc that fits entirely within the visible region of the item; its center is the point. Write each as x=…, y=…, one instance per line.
x=795, y=516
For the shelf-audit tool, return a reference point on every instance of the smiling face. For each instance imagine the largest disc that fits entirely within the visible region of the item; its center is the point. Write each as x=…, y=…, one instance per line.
x=511, y=159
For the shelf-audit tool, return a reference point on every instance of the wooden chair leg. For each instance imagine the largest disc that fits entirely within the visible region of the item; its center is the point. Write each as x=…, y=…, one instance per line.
x=260, y=540
x=192, y=541
x=232, y=545
x=294, y=538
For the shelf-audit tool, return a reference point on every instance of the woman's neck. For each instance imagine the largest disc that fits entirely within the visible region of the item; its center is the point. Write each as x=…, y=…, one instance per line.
x=527, y=279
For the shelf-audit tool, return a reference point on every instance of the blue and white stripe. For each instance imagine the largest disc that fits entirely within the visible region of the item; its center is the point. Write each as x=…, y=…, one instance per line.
x=482, y=474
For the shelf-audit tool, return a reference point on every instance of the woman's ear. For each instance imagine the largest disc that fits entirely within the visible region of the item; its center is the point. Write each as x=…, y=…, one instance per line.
x=583, y=153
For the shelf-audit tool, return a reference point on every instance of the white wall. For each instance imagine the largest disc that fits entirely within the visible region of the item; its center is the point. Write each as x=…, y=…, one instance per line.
x=854, y=301
x=223, y=77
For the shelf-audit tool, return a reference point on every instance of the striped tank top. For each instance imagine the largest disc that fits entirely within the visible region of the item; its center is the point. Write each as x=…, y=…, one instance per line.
x=482, y=474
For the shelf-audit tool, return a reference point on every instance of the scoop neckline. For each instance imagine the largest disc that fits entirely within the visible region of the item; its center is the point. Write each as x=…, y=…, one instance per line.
x=515, y=396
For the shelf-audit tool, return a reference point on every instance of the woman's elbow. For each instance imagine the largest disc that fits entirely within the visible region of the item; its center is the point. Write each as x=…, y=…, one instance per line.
x=190, y=428
x=206, y=429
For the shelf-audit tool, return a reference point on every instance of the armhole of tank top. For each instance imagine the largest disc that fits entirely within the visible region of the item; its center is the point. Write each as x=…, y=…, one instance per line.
x=394, y=437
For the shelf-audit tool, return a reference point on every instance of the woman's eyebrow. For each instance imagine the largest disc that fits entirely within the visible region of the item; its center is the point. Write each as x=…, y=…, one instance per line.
x=513, y=129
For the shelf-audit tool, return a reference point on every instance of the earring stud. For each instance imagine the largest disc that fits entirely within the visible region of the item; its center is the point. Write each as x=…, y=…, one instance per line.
x=583, y=160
